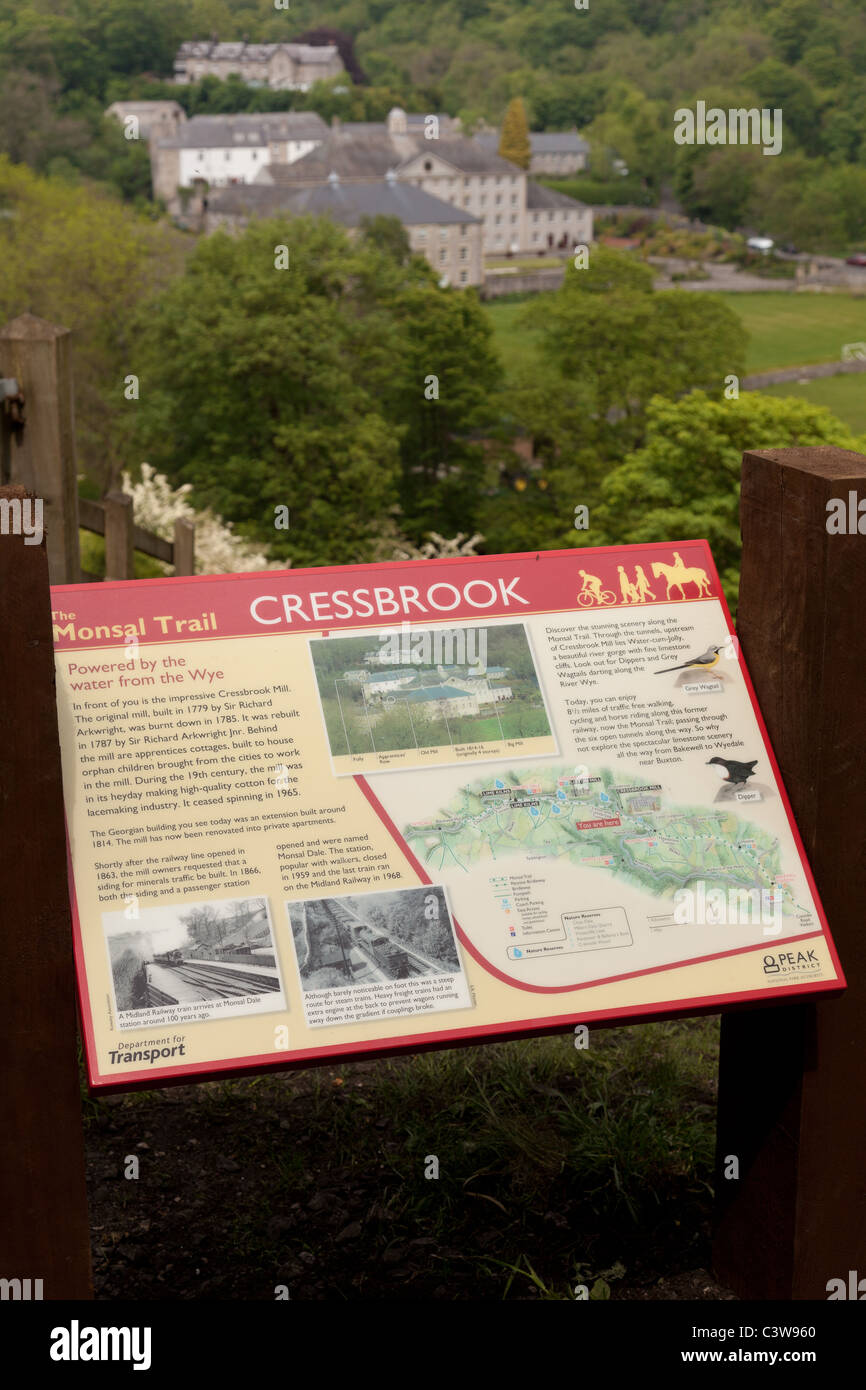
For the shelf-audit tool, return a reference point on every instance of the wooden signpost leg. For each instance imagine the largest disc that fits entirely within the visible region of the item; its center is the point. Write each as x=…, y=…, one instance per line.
x=43, y=1228
x=791, y=1079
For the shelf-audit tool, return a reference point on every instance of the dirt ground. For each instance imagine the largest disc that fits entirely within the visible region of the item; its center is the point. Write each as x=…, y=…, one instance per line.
x=307, y=1183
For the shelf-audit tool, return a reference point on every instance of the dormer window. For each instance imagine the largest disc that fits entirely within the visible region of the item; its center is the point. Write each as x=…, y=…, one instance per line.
x=428, y=165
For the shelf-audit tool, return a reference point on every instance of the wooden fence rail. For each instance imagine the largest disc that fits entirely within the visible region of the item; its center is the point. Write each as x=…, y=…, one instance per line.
x=37, y=451
x=113, y=519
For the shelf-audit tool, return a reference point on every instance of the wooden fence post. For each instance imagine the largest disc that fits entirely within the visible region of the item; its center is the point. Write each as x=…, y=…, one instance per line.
x=791, y=1079
x=44, y=1226
x=184, y=547
x=42, y=454
x=119, y=523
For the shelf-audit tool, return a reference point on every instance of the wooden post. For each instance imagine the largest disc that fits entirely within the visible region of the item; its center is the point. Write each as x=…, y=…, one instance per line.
x=44, y=1227
x=119, y=522
x=42, y=454
x=184, y=547
x=791, y=1079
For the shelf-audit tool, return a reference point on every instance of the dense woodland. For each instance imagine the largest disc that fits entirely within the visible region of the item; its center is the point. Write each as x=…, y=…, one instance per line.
x=616, y=70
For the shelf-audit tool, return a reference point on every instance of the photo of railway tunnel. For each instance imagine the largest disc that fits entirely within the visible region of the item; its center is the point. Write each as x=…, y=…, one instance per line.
x=373, y=938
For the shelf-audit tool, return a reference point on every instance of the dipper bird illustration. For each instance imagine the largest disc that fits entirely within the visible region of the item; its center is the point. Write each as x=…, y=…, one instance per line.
x=731, y=771
x=706, y=661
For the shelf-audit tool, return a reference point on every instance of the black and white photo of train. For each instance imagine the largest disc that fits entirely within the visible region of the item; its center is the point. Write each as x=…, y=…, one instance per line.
x=192, y=953
x=372, y=938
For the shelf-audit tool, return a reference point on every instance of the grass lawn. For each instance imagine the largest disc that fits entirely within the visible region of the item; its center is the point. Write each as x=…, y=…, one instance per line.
x=844, y=395
x=785, y=330
x=511, y=342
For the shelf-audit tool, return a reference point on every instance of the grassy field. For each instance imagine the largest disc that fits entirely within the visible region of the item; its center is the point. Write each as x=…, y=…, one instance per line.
x=511, y=342
x=844, y=395
x=789, y=330
x=785, y=330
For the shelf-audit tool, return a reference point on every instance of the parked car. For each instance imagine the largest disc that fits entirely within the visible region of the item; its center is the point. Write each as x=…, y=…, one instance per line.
x=858, y=258
x=760, y=243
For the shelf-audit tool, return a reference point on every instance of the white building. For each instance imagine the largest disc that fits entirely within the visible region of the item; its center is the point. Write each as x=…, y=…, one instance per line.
x=224, y=150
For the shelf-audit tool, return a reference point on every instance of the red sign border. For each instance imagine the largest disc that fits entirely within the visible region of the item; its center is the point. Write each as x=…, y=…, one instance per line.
x=104, y=1083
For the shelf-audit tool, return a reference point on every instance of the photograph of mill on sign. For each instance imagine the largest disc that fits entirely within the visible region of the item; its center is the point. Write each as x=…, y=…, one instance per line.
x=416, y=697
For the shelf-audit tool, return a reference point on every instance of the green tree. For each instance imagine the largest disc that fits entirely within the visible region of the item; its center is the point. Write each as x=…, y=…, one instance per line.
x=514, y=140
x=78, y=257
x=261, y=380
x=684, y=480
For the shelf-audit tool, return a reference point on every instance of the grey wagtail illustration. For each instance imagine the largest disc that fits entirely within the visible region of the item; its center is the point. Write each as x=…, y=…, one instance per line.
x=705, y=662
x=731, y=771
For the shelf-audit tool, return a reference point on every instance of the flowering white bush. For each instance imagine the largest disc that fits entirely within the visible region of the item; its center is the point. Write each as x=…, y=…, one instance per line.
x=436, y=547
x=156, y=507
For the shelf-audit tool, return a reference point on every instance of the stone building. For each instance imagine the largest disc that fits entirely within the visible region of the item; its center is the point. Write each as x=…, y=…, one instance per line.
x=449, y=237
x=552, y=152
x=516, y=214
x=157, y=120
x=225, y=150
x=283, y=66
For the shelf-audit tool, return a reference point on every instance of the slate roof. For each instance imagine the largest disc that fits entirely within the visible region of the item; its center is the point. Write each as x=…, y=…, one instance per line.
x=371, y=154
x=369, y=157
x=436, y=692
x=346, y=203
x=468, y=155
x=542, y=142
x=256, y=52
x=558, y=142
x=209, y=132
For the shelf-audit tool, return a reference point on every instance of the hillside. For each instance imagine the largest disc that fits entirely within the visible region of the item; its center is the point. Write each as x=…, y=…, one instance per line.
x=617, y=71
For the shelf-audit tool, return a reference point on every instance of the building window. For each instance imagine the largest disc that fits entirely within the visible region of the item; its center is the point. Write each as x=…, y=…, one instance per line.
x=514, y=200
x=483, y=201
x=443, y=254
x=535, y=236
x=498, y=219
x=421, y=234
x=201, y=154
x=255, y=154
x=466, y=201
x=428, y=165
x=443, y=233
x=463, y=229
x=550, y=217
x=499, y=198
x=513, y=218
x=535, y=217
x=465, y=183
x=464, y=276
x=463, y=253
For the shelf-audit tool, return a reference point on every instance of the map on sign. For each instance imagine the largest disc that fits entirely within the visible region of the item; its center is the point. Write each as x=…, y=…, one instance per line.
x=317, y=814
x=623, y=828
